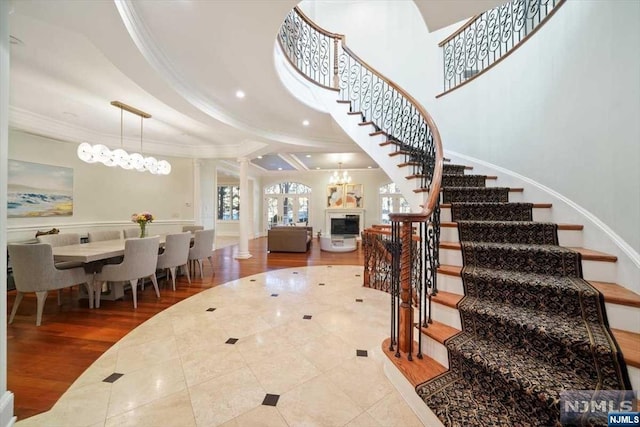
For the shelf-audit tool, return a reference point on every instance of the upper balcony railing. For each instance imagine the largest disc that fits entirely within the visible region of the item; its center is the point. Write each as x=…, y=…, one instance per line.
x=490, y=37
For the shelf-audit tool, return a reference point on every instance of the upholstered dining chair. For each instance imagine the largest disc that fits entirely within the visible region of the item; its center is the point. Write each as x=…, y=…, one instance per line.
x=176, y=254
x=98, y=236
x=192, y=228
x=202, y=248
x=34, y=271
x=131, y=232
x=62, y=239
x=140, y=260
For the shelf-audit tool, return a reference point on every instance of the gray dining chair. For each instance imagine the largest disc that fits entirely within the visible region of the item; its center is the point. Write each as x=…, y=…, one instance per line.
x=62, y=239
x=34, y=271
x=98, y=236
x=202, y=248
x=140, y=260
x=131, y=232
x=176, y=254
x=192, y=228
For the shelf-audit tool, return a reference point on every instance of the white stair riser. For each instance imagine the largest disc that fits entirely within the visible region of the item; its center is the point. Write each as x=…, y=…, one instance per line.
x=571, y=238
x=447, y=315
x=621, y=317
x=539, y=214
x=435, y=350
x=450, y=284
x=634, y=376
x=451, y=257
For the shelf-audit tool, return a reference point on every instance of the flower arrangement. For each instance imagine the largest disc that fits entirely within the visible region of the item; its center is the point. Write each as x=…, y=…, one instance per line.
x=142, y=219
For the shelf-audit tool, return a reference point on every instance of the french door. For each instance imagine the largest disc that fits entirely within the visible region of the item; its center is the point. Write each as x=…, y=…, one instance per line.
x=286, y=209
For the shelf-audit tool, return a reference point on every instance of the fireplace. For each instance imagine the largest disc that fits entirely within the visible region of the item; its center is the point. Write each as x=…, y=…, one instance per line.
x=349, y=222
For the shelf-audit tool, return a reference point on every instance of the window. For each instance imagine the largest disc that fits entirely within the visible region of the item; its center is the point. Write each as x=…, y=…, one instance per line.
x=287, y=203
x=391, y=201
x=228, y=202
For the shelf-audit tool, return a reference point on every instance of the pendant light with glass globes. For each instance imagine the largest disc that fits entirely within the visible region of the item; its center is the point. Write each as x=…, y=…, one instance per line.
x=100, y=153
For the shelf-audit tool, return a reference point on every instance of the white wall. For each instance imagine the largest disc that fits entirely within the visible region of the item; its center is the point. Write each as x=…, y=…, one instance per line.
x=103, y=196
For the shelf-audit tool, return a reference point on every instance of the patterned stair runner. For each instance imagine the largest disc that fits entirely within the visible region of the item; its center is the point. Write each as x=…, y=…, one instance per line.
x=531, y=326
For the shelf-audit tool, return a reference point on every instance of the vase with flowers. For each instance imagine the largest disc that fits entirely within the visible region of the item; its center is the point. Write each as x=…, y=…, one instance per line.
x=142, y=219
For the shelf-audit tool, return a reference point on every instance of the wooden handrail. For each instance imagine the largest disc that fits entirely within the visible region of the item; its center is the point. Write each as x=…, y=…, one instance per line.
x=459, y=30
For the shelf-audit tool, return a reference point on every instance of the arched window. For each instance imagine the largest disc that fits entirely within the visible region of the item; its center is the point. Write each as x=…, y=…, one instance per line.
x=391, y=201
x=287, y=203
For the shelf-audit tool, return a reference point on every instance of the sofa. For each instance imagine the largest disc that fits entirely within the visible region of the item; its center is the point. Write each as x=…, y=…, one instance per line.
x=289, y=239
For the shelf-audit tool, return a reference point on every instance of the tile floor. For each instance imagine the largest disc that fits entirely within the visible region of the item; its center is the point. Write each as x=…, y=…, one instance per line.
x=273, y=349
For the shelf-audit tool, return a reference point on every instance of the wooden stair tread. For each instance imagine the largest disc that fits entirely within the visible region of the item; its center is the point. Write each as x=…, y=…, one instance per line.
x=416, y=371
x=535, y=205
x=616, y=294
x=629, y=343
x=378, y=132
x=354, y=113
x=591, y=255
x=439, y=331
x=573, y=227
x=448, y=299
x=388, y=142
x=450, y=270
x=366, y=123
x=340, y=101
x=398, y=153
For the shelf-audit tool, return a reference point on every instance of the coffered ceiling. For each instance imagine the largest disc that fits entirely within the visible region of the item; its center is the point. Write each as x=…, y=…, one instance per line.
x=182, y=61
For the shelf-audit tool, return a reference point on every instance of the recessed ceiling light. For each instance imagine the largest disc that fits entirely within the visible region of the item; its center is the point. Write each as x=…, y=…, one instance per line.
x=317, y=168
x=240, y=94
x=305, y=123
x=259, y=157
x=279, y=169
x=308, y=156
x=369, y=167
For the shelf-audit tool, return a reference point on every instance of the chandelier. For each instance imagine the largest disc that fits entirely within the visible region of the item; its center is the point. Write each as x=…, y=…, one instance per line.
x=339, y=176
x=99, y=153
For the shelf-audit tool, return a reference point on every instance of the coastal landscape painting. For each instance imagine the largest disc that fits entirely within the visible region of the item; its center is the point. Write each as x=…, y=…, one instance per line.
x=36, y=190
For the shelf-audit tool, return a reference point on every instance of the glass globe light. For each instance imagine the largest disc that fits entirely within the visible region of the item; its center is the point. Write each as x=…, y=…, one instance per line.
x=121, y=158
x=136, y=161
x=101, y=153
x=164, y=167
x=85, y=153
x=151, y=164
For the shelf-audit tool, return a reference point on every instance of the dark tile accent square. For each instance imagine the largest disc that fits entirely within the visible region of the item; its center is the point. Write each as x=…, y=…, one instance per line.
x=211, y=309
x=112, y=378
x=362, y=353
x=359, y=300
x=329, y=266
x=235, y=340
x=320, y=284
x=306, y=317
x=252, y=280
x=295, y=272
x=271, y=399
x=357, y=275
x=274, y=295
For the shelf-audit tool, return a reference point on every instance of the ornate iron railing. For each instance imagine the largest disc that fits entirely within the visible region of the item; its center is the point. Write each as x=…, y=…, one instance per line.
x=489, y=37
x=396, y=263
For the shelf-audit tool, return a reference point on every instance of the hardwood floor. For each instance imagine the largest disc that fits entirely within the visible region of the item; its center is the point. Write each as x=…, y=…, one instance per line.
x=42, y=362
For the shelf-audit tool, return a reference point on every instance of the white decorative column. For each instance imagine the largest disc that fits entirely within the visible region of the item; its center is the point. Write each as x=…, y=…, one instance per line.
x=245, y=210
x=197, y=196
x=6, y=397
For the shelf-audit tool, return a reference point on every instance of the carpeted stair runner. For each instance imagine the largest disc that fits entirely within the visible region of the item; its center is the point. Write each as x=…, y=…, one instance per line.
x=531, y=326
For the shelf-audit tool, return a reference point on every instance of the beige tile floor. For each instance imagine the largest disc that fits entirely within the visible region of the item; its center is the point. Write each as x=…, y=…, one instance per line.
x=178, y=370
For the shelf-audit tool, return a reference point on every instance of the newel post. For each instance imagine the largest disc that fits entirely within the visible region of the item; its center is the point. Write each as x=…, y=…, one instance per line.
x=405, y=335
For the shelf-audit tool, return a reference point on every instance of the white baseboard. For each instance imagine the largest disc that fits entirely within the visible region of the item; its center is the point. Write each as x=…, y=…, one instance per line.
x=7, y=419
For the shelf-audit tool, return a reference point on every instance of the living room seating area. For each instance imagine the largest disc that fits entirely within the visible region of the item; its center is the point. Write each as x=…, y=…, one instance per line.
x=289, y=239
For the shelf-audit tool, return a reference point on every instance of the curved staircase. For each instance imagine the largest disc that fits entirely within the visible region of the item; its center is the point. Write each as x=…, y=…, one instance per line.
x=515, y=321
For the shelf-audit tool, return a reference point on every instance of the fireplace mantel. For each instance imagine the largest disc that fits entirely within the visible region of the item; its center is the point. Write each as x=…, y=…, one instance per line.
x=341, y=213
